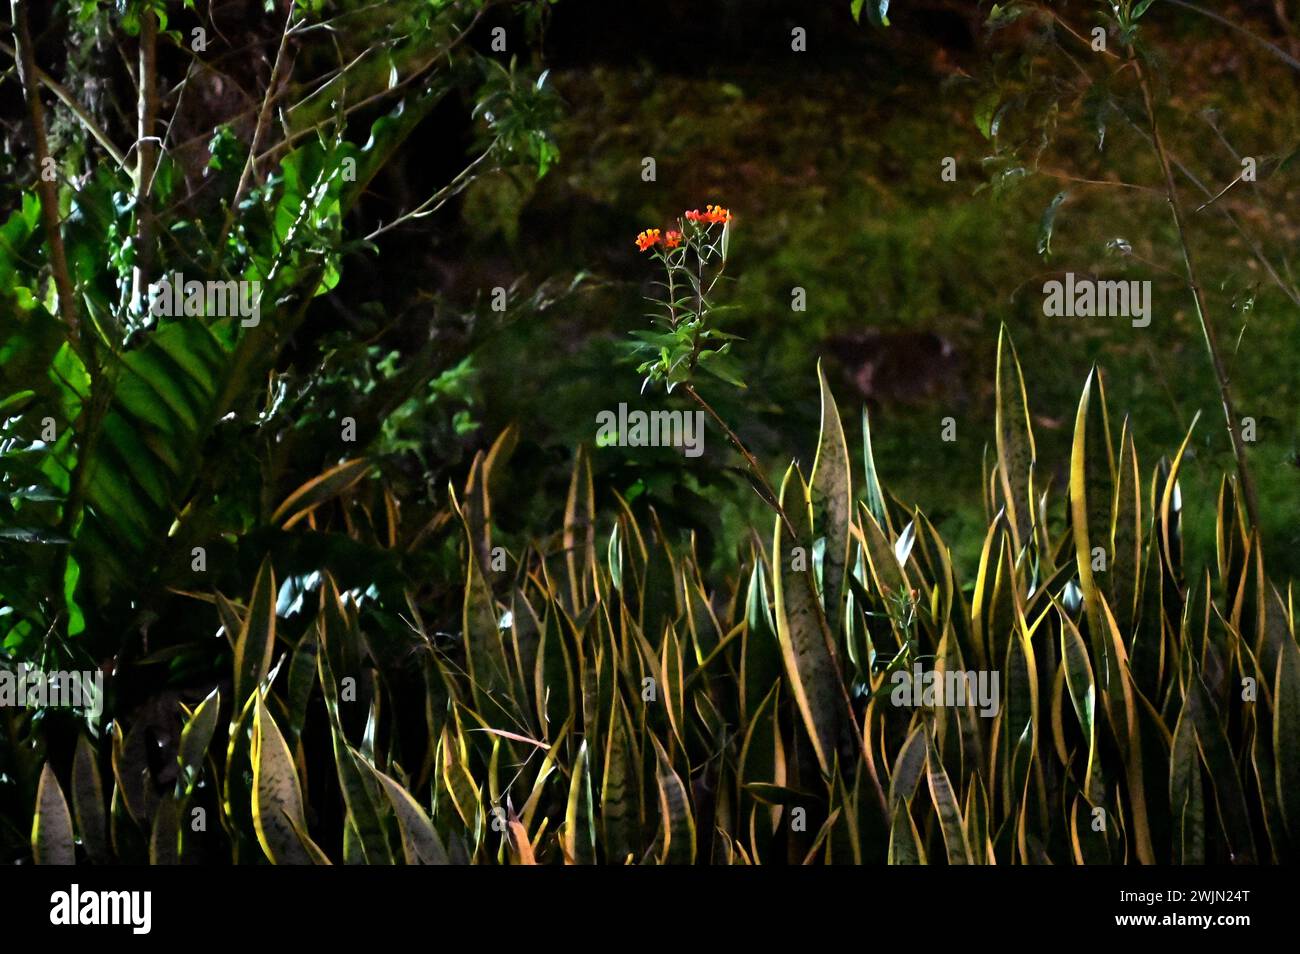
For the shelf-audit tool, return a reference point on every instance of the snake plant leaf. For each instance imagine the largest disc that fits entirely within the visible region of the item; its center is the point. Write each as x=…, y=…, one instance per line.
x=420, y=842
x=255, y=643
x=761, y=651
x=1083, y=696
x=277, y=796
x=905, y=846
x=908, y=766
x=1122, y=710
x=832, y=504
x=678, y=821
x=1229, y=797
x=875, y=494
x=580, y=532
x=801, y=625
x=618, y=804
x=1185, y=791
x=1286, y=738
x=579, y=817
x=951, y=822
x=519, y=843
x=1015, y=442
x=1126, y=539
x=88, y=802
x=489, y=670
x=196, y=736
x=1080, y=507
x=671, y=678
x=361, y=801
x=165, y=839
x=319, y=490
x=52, y=840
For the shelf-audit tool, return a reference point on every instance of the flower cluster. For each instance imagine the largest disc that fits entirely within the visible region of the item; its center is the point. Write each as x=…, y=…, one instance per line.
x=673, y=238
x=648, y=239
x=710, y=215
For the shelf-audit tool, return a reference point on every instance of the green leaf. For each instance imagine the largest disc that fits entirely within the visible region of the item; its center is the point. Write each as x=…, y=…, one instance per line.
x=722, y=365
x=985, y=108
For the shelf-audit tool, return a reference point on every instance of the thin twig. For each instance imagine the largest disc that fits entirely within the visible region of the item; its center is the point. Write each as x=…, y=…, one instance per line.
x=1202, y=309
x=772, y=499
x=259, y=131
x=436, y=201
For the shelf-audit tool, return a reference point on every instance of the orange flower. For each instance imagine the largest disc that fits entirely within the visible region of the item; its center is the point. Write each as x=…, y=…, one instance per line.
x=716, y=213
x=648, y=239
x=672, y=239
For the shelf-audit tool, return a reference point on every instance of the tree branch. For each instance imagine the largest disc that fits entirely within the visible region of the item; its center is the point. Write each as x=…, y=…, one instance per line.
x=46, y=189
